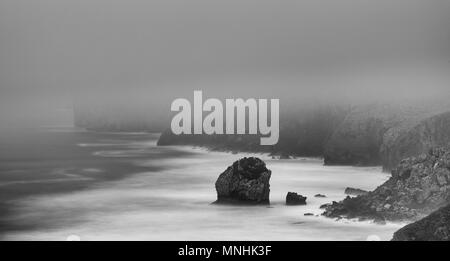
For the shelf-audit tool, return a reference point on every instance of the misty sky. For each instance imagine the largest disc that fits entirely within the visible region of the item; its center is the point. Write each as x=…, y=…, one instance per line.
x=150, y=52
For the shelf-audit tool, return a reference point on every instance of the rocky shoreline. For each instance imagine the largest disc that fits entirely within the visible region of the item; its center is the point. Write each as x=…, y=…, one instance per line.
x=418, y=186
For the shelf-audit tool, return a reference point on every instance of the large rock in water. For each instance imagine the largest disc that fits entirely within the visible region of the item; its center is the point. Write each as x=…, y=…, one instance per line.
x=244, y=182
x=435, y=227
x=418, y=186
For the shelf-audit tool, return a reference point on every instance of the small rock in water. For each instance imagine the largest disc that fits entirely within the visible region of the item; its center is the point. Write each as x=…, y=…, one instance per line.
x=293, y=198
x=244, y=182
x=320, y=196
x=324, y=206
x=308, y=214
x=355, y=192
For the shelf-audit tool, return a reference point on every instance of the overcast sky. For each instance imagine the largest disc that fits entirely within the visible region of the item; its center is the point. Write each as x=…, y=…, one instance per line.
x=154, y=51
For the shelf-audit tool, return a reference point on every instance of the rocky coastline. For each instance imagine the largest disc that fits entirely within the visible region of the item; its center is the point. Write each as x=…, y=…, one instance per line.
x=410, y=142
x=418, y=186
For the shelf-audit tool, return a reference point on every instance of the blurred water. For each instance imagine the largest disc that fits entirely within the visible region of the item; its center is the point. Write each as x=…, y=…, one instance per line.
x=164, y=193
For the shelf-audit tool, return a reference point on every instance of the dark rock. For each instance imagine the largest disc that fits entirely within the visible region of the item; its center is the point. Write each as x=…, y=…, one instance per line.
x=384, y=134
x=244, y=182
x=308, y=214
x=355, y=192
x=418, y=186
x=324, y=206
x=435, y=227
x=320, y=196
x=293, y=198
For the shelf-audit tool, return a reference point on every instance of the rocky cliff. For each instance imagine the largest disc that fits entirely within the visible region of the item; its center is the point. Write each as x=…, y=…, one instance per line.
x=376, y=134
x=428, y=133
x=302, y=133
x=383, y=134
x=418, y=186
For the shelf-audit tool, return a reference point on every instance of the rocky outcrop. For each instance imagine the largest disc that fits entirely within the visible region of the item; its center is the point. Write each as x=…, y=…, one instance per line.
x=435, y=227
x=355, y=192
x=293, y=199
x=418, y=186
x=244, y=182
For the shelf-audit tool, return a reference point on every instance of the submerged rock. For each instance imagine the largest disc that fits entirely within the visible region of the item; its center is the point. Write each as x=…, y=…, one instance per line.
x=435, y=227
x=244, y=182
x=293, y=198
x=355, y=192
x=418, y=186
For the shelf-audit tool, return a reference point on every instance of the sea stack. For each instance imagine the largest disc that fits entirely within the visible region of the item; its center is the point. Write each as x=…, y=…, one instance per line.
x=244, y=182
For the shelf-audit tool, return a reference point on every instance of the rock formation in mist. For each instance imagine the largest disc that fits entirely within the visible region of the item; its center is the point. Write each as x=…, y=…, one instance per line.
x=364, y=135
x=381, y=134
x=302, y=133
x=430, y=132
x=418, y=186
x=244, y=182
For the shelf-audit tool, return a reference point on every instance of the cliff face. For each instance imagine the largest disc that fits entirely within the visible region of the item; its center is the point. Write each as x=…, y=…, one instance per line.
x=302, y=134
x=429, y=133
x=385, y=134
x=356, y=141
x=376, y=134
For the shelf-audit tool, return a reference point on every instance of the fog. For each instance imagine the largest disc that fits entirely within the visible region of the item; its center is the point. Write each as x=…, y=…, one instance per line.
x=135, y=57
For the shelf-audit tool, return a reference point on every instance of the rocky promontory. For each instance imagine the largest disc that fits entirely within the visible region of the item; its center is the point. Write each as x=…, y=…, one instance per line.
x=418, y=186
x=244, y=182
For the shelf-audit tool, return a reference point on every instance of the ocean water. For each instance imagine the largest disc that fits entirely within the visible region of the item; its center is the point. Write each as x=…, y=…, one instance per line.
x=78, y=185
